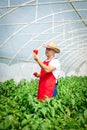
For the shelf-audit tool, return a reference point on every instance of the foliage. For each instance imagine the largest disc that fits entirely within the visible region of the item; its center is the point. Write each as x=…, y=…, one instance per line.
x=20, y=109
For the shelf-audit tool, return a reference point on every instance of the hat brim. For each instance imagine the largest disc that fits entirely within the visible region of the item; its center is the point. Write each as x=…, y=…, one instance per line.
x=50, y=47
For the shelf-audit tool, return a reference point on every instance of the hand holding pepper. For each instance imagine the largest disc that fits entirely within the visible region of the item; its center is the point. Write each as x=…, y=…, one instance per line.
x=35, y=54
x=35, y=51
x=35, y=74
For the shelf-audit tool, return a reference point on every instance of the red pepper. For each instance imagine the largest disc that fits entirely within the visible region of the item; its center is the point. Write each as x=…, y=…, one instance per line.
x=35, y=74
x=35, y=51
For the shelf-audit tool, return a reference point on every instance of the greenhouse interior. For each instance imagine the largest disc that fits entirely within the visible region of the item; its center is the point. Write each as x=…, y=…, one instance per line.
x=28, y=25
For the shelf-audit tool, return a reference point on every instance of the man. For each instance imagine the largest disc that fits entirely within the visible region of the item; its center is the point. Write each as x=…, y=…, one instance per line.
x=50, y=70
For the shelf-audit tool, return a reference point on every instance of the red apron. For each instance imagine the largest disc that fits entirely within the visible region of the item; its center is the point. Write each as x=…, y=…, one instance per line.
x=46, y=84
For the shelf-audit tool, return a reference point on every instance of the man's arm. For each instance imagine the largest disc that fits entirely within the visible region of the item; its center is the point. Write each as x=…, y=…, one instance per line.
x=48, y=68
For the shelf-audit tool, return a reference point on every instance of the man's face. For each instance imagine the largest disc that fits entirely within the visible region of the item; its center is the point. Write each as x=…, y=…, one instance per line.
x=49, y=52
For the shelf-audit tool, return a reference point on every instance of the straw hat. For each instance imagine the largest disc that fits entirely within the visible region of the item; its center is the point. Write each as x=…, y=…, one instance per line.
x=53, y=46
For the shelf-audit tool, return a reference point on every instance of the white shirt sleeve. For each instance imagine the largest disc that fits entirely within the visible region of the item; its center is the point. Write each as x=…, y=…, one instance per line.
x=56, y=64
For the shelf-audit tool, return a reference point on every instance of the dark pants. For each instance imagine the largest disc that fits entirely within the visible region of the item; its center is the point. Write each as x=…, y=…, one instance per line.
x=55, y=90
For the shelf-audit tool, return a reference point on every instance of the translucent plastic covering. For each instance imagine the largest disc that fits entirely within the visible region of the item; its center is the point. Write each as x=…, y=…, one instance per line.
x=28, y=24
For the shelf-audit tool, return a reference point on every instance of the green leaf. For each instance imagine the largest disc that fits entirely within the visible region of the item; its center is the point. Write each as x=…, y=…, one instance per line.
x=26, y=128
x=52, y=111
x=85, y=114
x=43, y=111
x=24, y=122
